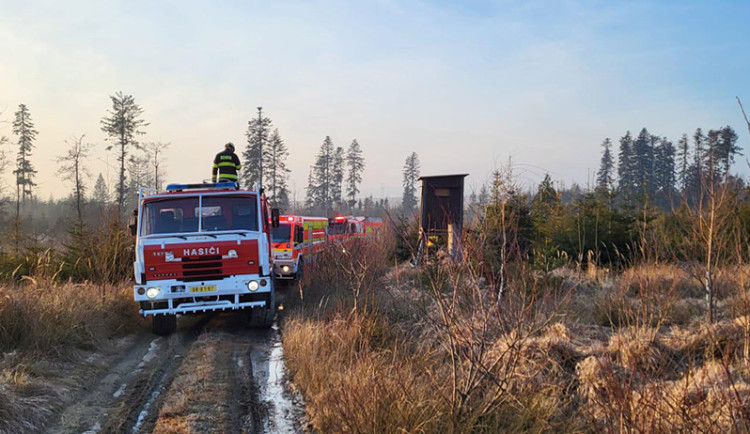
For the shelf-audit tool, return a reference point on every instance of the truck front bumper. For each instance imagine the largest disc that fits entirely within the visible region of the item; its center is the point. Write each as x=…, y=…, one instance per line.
x=232, y=293
x=285, y=268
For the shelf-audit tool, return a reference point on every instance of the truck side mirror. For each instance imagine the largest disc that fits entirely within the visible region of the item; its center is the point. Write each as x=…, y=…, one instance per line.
x=274, y=217
x=133, y=222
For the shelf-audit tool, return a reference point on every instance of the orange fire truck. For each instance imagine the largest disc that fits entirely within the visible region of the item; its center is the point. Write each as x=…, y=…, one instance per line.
x=295, y=241
x=203, y=248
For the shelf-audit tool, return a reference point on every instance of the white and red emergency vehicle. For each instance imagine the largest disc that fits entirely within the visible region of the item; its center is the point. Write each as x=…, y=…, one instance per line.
x=202, y=248
x=294, y=242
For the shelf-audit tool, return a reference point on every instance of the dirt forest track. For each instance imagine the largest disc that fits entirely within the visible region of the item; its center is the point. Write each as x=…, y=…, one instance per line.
x=213, y=375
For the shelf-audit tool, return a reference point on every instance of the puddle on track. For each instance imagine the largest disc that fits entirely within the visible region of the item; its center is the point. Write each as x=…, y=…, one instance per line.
x=284, y=411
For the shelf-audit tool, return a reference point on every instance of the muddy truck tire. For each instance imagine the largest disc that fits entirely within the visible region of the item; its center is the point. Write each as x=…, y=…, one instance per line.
x=260, y=318
x=164, y=325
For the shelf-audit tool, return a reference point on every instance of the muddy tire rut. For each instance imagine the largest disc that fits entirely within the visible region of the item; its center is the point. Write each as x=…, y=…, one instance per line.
x=213, y=375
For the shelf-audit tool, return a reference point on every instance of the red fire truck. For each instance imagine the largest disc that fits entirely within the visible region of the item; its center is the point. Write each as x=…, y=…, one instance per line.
x=341, y=228
x=295, y=241
x=202, y=248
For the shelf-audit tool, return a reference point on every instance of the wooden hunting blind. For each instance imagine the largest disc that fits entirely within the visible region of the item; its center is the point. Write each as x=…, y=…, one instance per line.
x=442, y=210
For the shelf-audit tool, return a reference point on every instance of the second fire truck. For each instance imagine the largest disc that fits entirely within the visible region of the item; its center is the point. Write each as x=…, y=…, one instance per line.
x=295, y=241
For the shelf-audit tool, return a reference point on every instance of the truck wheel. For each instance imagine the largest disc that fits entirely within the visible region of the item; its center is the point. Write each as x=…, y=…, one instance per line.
x=164, y=325
x=260, y=317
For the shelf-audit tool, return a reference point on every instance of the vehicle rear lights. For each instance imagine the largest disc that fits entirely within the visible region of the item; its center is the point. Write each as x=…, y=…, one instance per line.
x=141, y=291
x=252, y=285
x=152, y=292
x=263, y=282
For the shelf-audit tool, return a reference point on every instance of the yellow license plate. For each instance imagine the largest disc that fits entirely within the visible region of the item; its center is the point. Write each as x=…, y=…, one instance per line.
x=207, y=288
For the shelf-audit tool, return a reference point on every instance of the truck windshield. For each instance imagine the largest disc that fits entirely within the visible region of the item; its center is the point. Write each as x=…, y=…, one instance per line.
x=282, y=234
x=186, y=215
x=337, y=228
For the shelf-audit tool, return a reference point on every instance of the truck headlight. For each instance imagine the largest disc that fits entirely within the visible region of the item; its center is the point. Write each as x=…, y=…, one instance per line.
x=285, y=268
x=152, y=292
x=252, y=285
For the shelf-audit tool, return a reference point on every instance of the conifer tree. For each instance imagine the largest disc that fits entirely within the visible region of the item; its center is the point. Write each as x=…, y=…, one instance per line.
x=727, y=148
x=310, y=190
x=682, y=154
x=484, y=195
x=663, y=172
x=123, y=125
x=642, y=160
x=276, y=172
x=100, y=195
x=258, y=130
x=625, y=173
x=23, y=127
x=323, y=176
x=411, y=174
x=337, y=172
x=604, y=177
x=355, y=164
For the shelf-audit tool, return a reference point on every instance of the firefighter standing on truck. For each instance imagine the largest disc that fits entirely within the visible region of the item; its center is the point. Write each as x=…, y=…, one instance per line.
x=226, y=165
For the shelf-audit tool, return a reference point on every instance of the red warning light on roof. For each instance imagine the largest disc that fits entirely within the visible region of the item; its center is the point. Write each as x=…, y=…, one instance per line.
x=290, y=219
x=340, y=218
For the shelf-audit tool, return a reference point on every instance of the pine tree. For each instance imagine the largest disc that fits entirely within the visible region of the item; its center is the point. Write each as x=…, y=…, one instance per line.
x=604, y=177
x=642, y=159
x=23, y=127
x=625, y=171
x=355, y=164
x=727, y=148
x=337, y=172
x=663, y=172
x=258, y=130
x=73, y=169
x=276, y=172
x=100, y=194
x=699, y=140
x=123, y=124
x=711, y=159
x=683, y=153
x=310, y=190
x=694, y=175
x=411, y=174
x=545, y=214
x=322, y=176
x=484, y=195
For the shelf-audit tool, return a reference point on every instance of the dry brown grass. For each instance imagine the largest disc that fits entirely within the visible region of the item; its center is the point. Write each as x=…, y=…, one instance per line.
x=435, y=350
x=41, y=324
x=46, y=319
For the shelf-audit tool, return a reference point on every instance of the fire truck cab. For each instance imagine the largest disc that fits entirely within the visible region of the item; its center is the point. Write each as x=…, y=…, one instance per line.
x=295, y=241
x=203, y=248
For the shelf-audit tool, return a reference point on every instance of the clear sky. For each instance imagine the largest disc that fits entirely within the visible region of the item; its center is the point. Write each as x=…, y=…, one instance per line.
x=464, y=84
